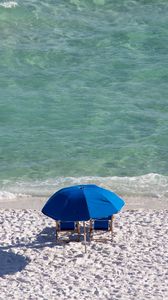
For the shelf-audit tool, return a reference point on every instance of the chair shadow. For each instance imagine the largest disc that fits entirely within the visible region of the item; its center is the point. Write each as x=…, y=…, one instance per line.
x=11, y=263
x=47, y=238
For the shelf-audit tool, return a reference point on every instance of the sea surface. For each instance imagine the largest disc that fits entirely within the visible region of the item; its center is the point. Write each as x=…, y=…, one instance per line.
x=84, y=96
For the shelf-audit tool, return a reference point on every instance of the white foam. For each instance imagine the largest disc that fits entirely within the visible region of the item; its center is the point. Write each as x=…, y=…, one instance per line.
x=9, y=4
x=149, y=185
x=8, y=196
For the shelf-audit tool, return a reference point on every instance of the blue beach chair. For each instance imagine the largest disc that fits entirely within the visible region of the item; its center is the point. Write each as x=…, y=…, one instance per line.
x=67, y=226
x=104, y=225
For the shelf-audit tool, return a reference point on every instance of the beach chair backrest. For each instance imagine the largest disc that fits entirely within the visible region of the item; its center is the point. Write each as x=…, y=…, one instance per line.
x=69, y=225
x=101, y=225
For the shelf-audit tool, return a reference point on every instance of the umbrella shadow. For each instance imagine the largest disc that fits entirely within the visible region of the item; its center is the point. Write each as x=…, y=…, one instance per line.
x=12, y=263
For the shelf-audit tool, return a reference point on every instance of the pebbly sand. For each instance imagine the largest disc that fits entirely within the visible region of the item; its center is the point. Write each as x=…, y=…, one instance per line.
x=132, y=266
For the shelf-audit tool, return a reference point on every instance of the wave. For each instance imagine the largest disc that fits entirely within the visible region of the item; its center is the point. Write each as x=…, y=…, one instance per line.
x=9, y=4
x=149, y=185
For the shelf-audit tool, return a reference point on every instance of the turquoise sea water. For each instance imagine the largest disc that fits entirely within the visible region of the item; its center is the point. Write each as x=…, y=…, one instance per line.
x=84, y=95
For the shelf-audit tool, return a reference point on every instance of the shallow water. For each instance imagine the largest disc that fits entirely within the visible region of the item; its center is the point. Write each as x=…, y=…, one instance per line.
x=83, y=95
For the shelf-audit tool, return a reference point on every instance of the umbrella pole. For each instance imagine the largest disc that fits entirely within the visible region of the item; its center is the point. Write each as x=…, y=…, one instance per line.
x=84, y=227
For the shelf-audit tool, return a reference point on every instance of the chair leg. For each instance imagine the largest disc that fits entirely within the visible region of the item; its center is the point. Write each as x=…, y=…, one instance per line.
x=84, y=227
x=56, y=231
x=111, y=235
x=91, y=231
x=78, y=227
x=78, y=231
x=111, y=227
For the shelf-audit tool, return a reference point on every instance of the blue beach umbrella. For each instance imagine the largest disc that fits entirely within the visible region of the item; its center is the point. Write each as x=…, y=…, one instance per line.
x=81, y=203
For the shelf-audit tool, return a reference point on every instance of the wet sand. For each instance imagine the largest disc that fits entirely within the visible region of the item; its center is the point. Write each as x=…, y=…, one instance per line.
x=131, y=203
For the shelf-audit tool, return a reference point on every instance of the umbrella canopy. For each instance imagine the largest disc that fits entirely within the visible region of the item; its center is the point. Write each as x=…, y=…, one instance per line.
x=81, y=203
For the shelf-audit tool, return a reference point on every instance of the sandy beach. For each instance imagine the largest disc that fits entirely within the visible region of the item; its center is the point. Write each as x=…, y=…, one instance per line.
x=132, y=266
